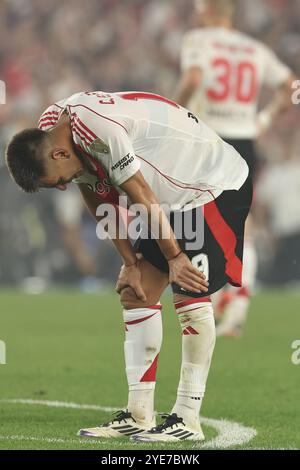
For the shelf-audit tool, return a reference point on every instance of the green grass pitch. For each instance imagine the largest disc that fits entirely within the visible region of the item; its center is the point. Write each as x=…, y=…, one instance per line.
x=68, y=347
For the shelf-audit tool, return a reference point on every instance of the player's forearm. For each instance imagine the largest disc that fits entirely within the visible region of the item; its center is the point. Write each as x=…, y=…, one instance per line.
x=122, y=245
x=125, y=250
x=157, y=220
x=116, y=228
x=118, y=233
x=160, y=226
x=165, y=236
x=169, y=246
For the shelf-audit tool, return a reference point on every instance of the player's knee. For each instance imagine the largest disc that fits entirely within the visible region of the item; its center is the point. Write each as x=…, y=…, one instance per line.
x=129, y=299
x=189, y=315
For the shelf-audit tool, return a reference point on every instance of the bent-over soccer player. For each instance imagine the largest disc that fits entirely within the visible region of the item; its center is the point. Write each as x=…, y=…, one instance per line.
x=155, y=152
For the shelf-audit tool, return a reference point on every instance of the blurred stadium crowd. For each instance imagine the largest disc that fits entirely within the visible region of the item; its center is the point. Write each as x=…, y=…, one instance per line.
x=52, y=49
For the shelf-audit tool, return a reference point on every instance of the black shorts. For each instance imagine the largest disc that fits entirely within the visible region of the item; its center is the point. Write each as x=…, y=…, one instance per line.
x=220, y=257
x=246, y=149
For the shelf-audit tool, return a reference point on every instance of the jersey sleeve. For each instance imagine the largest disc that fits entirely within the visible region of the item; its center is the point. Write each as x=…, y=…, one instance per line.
x=111, y=144
x=192, y=52
x=49, y=117
x=275, y=71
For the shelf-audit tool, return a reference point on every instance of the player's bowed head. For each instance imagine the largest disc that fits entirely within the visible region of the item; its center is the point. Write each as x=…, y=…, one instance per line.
x=38, y=159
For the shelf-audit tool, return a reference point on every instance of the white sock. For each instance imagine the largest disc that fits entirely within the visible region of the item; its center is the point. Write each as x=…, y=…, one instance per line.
x=249, y=264
x=141, y=405
x=143, y=340
x=188, y=409
x=198, y=340
x=235, y=313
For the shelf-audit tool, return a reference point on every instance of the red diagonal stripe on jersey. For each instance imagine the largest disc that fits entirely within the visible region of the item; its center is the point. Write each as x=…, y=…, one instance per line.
x=50, y=113
x=155, y=307
x=226, y=239
x=89, y=131
x=140, y=320
x=99, y=170
x=138, y=95
x=112, y=197
x=98, y=114
x=150, y=374
x=78, y=124
x=48, y=123
x=48, y=119
x=44, y=117
x=185, y=332
x=76, y=121
x=192, y=301
x=81, y=134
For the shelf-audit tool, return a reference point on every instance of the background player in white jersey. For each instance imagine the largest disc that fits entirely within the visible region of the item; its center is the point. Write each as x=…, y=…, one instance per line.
x=154, y=151
x=223, y=72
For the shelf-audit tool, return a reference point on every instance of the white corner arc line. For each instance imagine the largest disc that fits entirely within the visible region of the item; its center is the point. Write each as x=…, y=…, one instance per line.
x=230, y=433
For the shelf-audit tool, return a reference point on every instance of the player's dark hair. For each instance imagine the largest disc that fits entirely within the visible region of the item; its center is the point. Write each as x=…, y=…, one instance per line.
x=24, y=158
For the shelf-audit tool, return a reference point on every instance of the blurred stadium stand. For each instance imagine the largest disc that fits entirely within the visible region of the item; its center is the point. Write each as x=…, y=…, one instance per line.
x=49, y=50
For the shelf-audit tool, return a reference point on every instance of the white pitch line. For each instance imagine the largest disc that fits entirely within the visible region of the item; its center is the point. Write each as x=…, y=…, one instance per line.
x=229, y=433
x=60, y=404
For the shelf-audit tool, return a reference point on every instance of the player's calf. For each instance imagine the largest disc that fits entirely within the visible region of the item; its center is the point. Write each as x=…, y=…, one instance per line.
x=198, y=340
x=143, y=338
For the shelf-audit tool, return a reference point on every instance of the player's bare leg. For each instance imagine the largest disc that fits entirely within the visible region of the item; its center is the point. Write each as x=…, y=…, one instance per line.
x=198, y=340
x=143, y=326
x=143, y=337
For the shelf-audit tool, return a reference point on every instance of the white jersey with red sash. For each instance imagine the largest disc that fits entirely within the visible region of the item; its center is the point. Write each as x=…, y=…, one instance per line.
x=182, y=159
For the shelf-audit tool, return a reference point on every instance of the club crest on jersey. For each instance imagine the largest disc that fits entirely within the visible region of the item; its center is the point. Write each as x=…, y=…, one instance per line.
x=98, y=146
x=103, y=187
x=94, y=183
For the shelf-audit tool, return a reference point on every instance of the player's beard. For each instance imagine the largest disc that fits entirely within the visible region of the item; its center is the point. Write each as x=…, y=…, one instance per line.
x=84, y=161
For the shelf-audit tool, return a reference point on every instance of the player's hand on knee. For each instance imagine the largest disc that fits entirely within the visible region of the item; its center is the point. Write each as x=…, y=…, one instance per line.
x=130, y=276
x=183, y=273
